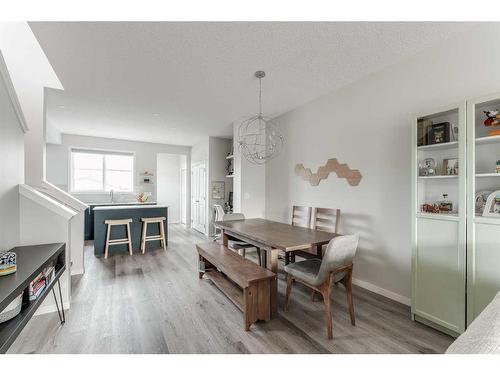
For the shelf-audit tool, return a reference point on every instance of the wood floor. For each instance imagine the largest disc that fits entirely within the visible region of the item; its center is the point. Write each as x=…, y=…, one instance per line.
x=155, y=303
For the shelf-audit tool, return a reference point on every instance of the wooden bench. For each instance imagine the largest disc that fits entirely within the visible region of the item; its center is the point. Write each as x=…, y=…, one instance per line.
x=246, y=284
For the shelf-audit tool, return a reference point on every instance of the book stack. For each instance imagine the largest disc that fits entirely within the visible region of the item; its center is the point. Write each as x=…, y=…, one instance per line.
x=49, y=274
x=36, y=287
x=7, y=263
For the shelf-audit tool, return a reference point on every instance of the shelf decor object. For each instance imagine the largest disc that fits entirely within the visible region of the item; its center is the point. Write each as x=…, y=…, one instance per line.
x=439, y=133
x=142, y=197
x=146, y=177
x=450, y=167
x=353, y=176
x=258, y=138
x=12, y=309
x=428, y=168
x=492, y=206
x=229, y=164
x=481, y=198
x=8, y=263
x=492, y=119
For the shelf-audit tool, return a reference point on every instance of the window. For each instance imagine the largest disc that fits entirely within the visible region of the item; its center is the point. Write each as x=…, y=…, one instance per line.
x=94, y=171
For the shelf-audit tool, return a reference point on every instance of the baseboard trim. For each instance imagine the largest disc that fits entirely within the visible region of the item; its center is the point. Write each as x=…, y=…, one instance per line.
x=77, y=271
x=50, y=308
x=383, y=292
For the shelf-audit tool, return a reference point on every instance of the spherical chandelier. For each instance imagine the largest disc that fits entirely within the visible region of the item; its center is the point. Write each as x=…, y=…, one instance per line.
x=258, y=138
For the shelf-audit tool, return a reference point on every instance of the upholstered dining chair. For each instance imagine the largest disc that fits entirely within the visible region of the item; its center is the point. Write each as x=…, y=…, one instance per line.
x=301, y=217
x=235, y=243
x=319, y=274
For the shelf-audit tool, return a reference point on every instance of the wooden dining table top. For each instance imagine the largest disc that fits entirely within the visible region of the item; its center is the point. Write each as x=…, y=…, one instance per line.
x=276, y=235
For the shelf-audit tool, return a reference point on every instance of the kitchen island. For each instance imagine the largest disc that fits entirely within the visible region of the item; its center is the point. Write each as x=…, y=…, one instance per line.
x=136, y=213
x=89, y=214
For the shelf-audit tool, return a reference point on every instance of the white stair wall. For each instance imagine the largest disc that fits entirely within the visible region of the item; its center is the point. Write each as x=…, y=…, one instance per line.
x=45, y=220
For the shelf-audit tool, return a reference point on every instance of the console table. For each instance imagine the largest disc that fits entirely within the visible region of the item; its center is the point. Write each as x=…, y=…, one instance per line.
x=31, y=260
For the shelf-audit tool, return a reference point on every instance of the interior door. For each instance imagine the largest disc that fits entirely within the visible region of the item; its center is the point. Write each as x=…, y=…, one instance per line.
x=198, y=197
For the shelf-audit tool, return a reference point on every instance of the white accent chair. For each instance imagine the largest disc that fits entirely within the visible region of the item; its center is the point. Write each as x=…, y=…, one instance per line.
x=218, y=215
x=319, y=274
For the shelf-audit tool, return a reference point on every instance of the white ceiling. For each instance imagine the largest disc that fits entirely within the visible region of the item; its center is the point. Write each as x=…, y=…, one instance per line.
x=176, y=82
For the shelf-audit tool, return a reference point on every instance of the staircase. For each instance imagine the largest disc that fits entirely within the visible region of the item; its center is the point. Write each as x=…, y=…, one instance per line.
x=46, y=213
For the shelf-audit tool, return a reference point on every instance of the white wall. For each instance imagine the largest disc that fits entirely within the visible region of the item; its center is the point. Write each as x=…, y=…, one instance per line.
x=168, y=184
x=31, y=73
x=218, y=149
x=145, y=160
x=199, y=152
x=367, y=125
x=249, y=183
x=12, y=170
x=39, y=225
x=52, y=134
x=213, y=151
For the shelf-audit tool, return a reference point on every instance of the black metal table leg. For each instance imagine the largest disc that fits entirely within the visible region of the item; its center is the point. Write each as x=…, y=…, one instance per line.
x=62, y=318
x=62, y=304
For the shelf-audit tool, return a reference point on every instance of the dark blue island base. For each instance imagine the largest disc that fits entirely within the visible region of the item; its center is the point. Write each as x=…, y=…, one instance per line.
x=136, y=213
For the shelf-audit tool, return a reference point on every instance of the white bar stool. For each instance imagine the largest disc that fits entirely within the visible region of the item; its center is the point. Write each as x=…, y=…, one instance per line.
x=157, y=237
x=119, y=241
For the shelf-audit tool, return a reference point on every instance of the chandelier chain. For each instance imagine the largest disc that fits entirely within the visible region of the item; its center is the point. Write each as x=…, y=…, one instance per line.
x=260, y=96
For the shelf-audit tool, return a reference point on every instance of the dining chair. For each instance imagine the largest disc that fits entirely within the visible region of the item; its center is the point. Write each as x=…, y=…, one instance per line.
x=235, y=243
x=301, y=217
x=218, y=215
x=327, y=220
x=319, y=274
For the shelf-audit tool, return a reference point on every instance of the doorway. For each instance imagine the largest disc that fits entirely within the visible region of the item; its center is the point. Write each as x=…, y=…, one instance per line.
x=184, y=195
x=199, y=197
x=169, y=186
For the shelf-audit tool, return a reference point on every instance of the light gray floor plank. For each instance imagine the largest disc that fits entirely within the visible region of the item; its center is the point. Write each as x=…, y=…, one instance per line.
x=155, y=303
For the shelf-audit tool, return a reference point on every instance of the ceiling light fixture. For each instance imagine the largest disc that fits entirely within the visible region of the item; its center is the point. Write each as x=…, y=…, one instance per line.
x=257, y=137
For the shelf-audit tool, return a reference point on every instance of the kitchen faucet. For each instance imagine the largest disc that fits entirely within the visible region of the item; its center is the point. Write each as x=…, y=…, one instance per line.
x=112, y=195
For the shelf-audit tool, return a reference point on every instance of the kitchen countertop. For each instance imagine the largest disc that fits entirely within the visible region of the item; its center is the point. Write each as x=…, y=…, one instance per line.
x=120, y=203
x=135, y=207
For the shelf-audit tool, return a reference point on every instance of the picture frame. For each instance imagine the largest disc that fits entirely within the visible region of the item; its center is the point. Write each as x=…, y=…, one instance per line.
x=492, y=206
x=218, y=189
x=450, y=167
x=427, y=167
x=439, y=133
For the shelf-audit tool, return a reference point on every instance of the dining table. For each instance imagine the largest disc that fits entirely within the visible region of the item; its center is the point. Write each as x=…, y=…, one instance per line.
x=271, y=237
